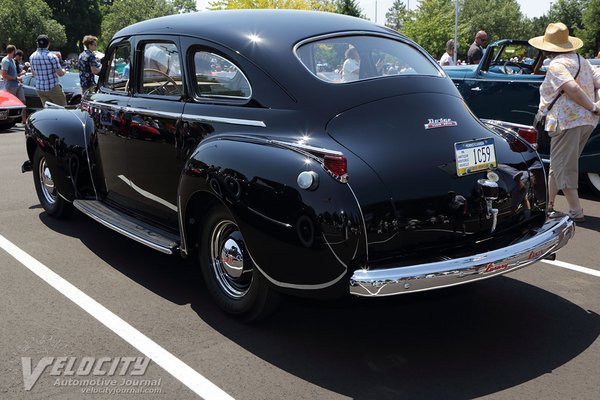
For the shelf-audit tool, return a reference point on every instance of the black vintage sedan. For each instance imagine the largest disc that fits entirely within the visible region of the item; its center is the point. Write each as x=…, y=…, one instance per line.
x=236, y=147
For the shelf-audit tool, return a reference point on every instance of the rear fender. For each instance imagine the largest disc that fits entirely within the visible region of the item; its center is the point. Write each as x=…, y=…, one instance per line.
x=64, y=137
x=301, y=240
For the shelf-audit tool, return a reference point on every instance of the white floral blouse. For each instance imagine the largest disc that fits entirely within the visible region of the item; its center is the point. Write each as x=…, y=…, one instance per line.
x=566, y=113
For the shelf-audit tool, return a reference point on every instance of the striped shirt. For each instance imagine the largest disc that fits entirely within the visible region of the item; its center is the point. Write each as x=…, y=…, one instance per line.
x=44, y=66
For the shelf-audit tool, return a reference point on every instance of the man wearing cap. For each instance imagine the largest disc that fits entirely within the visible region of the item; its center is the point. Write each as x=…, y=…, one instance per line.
x=570, y=83
x=46, y=69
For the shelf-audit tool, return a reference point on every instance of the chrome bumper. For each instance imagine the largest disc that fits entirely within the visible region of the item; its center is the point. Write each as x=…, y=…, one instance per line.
x=553, y=235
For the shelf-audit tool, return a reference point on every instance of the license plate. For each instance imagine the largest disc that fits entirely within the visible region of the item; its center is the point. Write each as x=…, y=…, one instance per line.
x=3, y=114
x=474, y=156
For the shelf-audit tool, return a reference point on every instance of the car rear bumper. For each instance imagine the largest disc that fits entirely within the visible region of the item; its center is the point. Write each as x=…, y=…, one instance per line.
x=553, y=235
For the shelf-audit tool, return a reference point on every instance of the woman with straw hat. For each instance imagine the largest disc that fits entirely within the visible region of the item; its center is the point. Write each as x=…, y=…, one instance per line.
x=568, y=99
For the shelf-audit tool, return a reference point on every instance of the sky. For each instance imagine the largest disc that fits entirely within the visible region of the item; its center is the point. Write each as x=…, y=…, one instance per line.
x=531, y=8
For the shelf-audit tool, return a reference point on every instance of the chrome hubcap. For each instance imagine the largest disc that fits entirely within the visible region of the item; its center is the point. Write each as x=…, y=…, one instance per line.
x=230, y=262
x=47, y=183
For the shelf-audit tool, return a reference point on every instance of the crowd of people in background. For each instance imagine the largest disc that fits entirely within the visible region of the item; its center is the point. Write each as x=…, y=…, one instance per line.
x=48, y=66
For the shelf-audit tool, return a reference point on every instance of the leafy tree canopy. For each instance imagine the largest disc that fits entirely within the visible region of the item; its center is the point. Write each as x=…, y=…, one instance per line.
x=396, y=15
x=320, y=5
x=79, y=17
x=23, y=21
x=123, y=13
x=348, y=7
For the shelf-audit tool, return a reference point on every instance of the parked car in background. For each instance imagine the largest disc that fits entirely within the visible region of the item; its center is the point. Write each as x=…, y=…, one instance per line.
x=228, y=146
x=10, y=110
x=505, y=86
x=69, y=82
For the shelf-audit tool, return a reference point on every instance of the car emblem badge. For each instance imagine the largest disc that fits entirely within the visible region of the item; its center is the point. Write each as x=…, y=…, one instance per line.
x=439, y=123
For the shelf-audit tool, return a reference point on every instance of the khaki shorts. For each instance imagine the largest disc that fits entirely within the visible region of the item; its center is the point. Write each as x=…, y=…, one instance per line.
x=56, y=96
x=566, y=147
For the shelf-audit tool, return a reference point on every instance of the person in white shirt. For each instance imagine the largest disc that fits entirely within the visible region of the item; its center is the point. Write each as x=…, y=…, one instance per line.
x=448, y=57
x=351, y=67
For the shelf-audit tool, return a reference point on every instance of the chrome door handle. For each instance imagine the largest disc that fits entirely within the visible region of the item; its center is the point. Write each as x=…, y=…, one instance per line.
x=476, y=89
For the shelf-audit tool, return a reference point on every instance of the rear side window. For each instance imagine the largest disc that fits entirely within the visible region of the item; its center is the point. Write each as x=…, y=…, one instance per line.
x=355, y=58
x=218, y=77
x=117, y=78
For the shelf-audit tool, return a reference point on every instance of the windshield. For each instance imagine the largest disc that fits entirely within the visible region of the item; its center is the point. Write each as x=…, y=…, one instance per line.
x=356, y=58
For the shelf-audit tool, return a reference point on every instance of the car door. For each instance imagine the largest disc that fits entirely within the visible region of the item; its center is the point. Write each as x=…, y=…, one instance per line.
x=154, y=113
x=107, y=107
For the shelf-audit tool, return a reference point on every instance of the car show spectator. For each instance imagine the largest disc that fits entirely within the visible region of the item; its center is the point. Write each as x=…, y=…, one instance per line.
x=11, y=78
x=46, y=68
x=351, y=67
x=475, y=52
x=19, y=63
x=448, y=57
x=88, y=64
x=573, y=116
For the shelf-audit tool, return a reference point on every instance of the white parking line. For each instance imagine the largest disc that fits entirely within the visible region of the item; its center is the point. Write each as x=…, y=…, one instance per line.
x=180, y=370
x=573, y=267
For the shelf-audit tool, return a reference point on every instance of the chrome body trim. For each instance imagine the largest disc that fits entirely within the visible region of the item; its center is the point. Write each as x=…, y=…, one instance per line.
x=12, y=108
x=553, y=235
x=232, y=121
x=307, y=147
x=283, y=224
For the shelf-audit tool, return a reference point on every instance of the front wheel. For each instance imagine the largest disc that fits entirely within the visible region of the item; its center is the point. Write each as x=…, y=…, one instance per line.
x=593, y=181
x=231, y=277
x=53, y=204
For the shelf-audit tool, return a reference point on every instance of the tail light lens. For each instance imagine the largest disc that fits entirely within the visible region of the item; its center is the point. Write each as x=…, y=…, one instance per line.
x=529, y=135
x=337, y=165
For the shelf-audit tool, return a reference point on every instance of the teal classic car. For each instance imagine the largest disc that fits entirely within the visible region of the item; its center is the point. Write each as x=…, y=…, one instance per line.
x=505, y=86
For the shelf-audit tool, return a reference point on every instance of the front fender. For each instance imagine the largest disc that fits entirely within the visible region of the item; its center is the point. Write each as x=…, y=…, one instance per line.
x=300, y=240
x=64, y=137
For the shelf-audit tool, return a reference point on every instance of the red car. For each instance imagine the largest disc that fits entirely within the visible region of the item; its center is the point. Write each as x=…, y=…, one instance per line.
x=10, y=110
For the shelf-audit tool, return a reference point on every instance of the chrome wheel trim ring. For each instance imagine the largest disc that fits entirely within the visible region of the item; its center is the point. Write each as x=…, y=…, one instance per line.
x=594, y=180
x=46, y=182
x=231, y=270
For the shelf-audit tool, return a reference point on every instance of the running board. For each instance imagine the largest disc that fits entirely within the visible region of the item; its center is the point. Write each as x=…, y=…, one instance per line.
x=129, y=226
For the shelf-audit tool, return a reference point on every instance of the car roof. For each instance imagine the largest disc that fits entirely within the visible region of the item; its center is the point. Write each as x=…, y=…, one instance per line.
x=254, y=30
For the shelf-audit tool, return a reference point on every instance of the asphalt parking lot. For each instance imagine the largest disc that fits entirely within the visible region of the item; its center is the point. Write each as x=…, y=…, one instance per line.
x=74, y=294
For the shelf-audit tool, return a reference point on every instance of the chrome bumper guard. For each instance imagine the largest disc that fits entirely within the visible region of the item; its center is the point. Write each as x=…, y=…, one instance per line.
x=553, y=235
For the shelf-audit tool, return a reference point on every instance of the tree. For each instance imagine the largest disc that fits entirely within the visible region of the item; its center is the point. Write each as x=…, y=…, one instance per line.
x=590, y=33
x=123, y=13
x=395, y=16
x=80, y=18
x=348, y=7
x=432, y=25
x=320, y=5
x=23, y=21
x=569, y=12
x=185, y=6
x=500, y=19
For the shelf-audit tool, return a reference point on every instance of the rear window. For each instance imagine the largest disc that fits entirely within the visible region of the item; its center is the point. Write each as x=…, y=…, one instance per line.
x=356, y=58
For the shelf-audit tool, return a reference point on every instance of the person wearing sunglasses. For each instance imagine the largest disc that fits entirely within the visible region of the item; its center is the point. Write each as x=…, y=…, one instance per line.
x=475, y=52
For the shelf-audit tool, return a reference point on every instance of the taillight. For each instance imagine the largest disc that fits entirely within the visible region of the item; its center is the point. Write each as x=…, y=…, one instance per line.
x=529, y=135
x=337, y=165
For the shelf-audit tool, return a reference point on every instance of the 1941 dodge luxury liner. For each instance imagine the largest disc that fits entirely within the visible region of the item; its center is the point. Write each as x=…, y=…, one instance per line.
x=294, y=152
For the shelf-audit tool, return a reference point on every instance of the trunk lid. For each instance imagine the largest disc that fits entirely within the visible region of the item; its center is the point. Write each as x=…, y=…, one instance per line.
x=409, y=143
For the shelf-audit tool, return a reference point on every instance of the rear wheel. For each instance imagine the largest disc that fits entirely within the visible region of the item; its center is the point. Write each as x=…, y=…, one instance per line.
x=593, y=181
x=53, y=204
x=231, y=277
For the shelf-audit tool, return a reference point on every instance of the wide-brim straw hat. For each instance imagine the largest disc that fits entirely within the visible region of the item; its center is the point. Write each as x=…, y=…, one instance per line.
x=556, y=39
